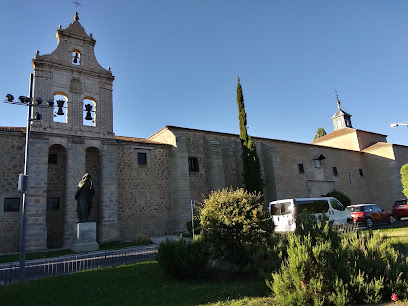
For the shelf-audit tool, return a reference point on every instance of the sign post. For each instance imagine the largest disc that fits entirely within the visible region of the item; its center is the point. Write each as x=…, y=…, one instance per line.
x=192, y=203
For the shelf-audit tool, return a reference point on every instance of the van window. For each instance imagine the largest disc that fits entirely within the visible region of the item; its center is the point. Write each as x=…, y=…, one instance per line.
x=336, y=204
x=286, y=208
x=283, y=208
x=312, y=206
x=275, y=209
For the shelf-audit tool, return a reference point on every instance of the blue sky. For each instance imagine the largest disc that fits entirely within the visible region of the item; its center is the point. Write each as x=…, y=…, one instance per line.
x=176, y=62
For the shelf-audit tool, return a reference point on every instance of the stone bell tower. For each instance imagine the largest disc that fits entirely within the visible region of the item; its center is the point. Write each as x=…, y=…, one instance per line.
x=74, y=137
x=71, y=75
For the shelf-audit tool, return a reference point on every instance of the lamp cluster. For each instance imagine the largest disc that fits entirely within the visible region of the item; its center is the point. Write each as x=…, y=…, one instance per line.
x=23, y=100
x=398, y=124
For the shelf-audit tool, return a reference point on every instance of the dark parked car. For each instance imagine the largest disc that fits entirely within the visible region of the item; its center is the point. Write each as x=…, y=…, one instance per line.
x=400, y=209
x=369, y=214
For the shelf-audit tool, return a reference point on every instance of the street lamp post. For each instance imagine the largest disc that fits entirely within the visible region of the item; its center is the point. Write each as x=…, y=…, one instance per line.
x=398, y=124
x=23, y=187
x=23, y=178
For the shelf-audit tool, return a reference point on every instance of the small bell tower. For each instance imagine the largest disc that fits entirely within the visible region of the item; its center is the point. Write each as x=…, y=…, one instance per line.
x=341, y=119
x=78, y=87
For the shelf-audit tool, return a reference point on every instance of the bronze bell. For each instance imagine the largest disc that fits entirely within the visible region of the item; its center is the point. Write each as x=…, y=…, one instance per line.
x=60, y=111
x=60, y=104
x=88, y=108
x=76, y=58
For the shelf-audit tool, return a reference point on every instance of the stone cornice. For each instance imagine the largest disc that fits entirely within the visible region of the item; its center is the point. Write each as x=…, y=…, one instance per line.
x=85, y=71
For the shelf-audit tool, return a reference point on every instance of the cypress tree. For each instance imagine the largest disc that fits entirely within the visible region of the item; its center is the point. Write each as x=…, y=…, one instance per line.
x=251, y=167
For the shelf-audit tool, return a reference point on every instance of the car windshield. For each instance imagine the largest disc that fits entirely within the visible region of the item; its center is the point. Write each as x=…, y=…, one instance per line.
x=356, y=208
x=402, y=202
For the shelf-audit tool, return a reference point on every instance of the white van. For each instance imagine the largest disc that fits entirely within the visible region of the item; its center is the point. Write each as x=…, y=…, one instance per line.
x=283, y=212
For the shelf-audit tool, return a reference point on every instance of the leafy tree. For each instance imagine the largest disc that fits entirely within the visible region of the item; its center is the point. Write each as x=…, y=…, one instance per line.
x=234, y=223
x=251, y=166
x=404, y=179
x=319, y=133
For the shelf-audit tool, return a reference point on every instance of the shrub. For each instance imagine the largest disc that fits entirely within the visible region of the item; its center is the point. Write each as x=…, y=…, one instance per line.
x=345, y=200
x=197, y=228
x=320, y=229
x=266, y=258
x=363, y=268
x=142, y=240
x=182, y=259
x=233, y=224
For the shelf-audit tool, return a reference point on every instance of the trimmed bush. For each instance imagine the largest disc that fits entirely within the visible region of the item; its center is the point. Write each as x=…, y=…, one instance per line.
x=233, y=224
x=345, y=200
x=182, y=259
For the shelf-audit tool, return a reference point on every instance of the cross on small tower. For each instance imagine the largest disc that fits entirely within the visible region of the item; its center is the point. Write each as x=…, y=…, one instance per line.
x=76, y=5
x=76, y=10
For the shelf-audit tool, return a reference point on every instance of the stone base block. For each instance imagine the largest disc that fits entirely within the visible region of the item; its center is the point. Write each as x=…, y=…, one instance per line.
x=85, y=237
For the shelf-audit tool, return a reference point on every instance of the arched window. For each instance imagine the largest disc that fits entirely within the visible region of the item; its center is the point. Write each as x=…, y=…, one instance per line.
x=89, y=106
x=60, y=108
x=76, y=57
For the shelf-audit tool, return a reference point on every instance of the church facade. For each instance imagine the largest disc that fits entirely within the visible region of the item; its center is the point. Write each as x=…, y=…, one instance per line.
x=144, y=186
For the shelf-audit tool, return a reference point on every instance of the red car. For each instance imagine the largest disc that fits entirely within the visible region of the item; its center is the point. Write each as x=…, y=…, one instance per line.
x=370, y=214
x=400, y=209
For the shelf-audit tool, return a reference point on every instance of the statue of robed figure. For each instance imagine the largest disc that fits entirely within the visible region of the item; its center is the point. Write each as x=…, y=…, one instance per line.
x=84, y=196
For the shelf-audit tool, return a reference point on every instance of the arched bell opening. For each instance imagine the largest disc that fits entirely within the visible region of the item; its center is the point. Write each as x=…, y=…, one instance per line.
x=60, y=108
x=76, y=57
x=92, y=165
x=56, y=182
x=89, y=118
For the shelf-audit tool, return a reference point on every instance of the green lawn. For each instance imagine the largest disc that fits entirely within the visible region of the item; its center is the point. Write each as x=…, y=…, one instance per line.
x=137, y=284
x=398, y=236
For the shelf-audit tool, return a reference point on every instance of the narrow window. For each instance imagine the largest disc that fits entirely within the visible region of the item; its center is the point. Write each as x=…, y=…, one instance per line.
x=76, y=58
x=52, y=159
x=141, y=158
x=361, y=172
x=193, y=164
x=11, y=204
x=301, y=169
x=53, y=203
x=335, y=173
x=317, y=163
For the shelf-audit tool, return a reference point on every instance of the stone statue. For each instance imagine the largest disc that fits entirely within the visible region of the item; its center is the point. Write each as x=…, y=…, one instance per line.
x=84, y=196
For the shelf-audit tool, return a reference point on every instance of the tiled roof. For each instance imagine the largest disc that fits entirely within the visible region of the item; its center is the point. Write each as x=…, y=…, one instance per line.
x=237, y=135
x=13, y=129
x=378, y=145
x=339, y=113
x=141, y=140
x=334, y=134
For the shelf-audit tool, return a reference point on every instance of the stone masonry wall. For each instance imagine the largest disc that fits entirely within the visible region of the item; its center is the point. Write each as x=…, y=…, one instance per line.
x=56, y=188
x=144, y=190
x=316, y=181
x=279, y=163
x=12, y=163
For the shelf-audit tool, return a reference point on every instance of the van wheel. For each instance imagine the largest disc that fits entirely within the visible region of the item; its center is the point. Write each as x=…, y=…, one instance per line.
x=369, y=223
x=350, y=221
x=391, y=219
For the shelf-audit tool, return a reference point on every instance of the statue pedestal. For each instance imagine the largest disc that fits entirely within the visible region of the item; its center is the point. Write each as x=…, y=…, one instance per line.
x=85, y=237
